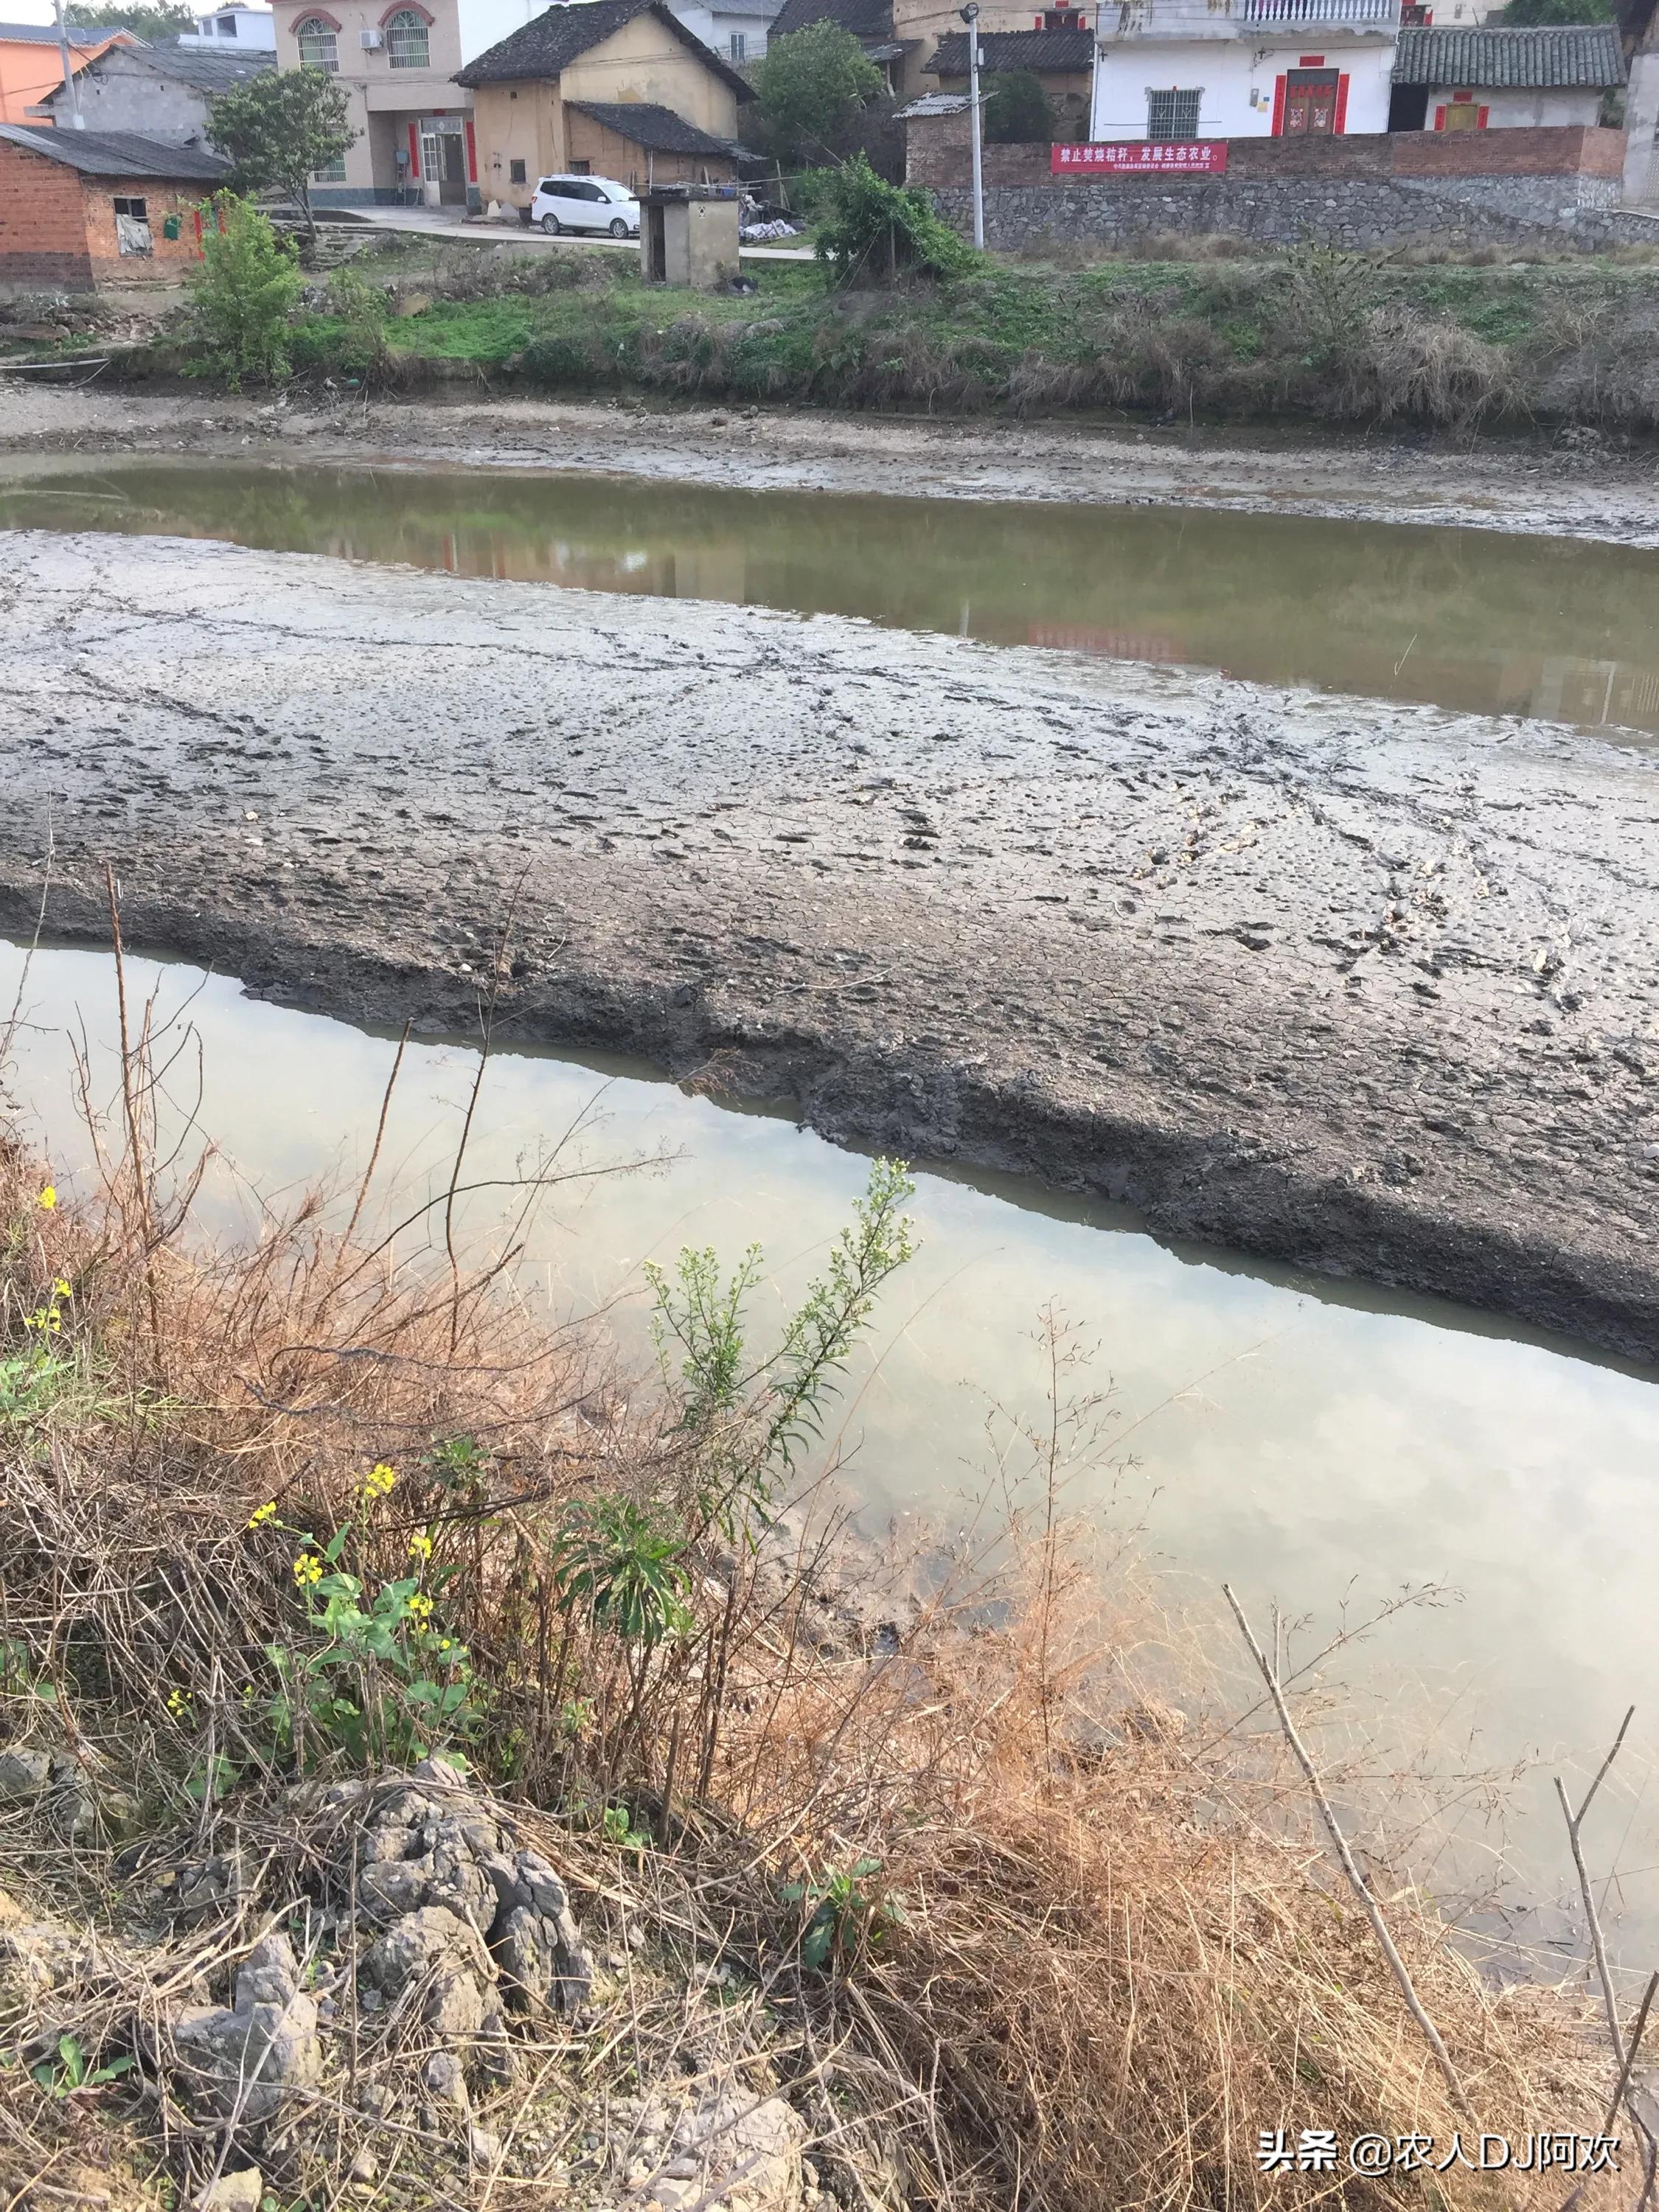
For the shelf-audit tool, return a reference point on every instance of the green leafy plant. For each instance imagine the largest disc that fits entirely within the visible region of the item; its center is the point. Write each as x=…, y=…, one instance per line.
x=624, y=1562
x=62, y=2077
x=1017, y=111
x=809, y=86
x=869, y=229
x=377, y=1679
x=616, y=1824
x=34, y=1376
x=841, y=1919
x=278, y=128
x=242, y=296
x=363, y=311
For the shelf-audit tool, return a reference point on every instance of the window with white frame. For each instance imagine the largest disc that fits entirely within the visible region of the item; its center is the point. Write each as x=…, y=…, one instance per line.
x=740, y=45
x=319, y=47
x=1172, y=115
x=334, y=173
x=406, y=43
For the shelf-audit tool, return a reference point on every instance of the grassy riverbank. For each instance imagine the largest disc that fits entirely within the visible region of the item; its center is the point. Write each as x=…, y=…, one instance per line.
x=908, y=1844
x=1310, y=334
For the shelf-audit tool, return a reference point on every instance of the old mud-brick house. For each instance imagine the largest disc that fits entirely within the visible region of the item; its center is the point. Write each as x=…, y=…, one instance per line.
x=95, y=210
x=603, y=88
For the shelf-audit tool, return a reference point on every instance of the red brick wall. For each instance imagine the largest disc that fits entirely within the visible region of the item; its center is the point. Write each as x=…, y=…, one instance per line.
x=937, y=155
x=168, y=258
x=43, y=238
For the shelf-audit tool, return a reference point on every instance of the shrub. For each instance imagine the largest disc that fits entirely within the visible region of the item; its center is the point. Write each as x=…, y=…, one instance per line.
x=243, y=296
x=810, y=86
x=1017, y=111
x=871, y=228
x=561, y=358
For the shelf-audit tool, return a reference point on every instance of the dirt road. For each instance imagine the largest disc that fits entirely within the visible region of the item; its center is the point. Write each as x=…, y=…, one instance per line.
x=1579, y=487
x=1367, y=988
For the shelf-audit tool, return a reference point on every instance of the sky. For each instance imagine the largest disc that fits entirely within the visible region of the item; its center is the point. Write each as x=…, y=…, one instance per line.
x=39, y=11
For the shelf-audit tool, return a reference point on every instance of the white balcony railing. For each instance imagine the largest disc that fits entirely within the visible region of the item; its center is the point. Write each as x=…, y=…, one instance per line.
x=1233, y=19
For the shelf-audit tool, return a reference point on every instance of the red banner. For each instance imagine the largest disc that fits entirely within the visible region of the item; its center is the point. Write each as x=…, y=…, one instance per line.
x=1123, y=158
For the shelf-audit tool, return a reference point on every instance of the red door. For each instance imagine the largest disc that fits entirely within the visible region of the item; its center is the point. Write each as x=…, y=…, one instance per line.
x=1310, y=103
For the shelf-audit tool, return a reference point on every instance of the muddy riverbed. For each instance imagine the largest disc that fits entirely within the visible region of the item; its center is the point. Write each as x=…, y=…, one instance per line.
x=1364, y=987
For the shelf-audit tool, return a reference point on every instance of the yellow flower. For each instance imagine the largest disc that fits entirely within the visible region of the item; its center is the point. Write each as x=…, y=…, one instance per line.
x=446, y=1644
x=48, y=1197
x=60, y=1289
x=177, y=1700
x=420, y=1547
x=307, y=1570
x=420, y=1610
x=263, y=1513
x=378, y=1480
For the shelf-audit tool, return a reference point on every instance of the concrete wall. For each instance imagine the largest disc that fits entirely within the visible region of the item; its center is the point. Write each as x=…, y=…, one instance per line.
x=1380, y=190
x=1642, y=127
x=119, y=92
x=1237, y=80
x=57, y=229
x=522, y=122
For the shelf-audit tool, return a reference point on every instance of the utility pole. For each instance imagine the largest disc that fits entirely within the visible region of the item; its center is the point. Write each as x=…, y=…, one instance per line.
x=1094, y=79
x=970, y=17
x=76, y=119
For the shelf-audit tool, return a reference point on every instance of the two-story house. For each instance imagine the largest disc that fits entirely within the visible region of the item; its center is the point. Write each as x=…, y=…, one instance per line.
x=603, y=88
x=398, y=60
x=1174, y=71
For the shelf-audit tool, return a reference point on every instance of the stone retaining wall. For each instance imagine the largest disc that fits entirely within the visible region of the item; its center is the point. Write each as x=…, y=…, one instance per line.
x=1381, y=190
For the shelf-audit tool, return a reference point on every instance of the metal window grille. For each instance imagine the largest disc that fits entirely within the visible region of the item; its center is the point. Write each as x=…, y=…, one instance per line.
x=1172, y=115
x=406, y=41
x=318, y=47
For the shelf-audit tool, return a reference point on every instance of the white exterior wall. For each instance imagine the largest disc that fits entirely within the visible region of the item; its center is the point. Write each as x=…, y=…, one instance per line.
x=1521, y=110
x=716, y=25
x=255, y=32
x=1642, y=121
x=1237, y=78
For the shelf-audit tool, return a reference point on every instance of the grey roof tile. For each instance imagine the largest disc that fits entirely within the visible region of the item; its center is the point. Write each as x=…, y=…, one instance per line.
x=1056, y=52
x=646, y=124
x=1581, y=55
x=115, y=153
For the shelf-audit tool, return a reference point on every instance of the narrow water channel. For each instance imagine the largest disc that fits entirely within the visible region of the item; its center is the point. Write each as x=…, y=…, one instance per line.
x=1319, y=1444
x=1478, y=620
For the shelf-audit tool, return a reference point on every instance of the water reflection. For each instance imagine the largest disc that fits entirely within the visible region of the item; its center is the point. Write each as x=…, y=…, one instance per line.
x=1472, y=619
x=1322, y=1447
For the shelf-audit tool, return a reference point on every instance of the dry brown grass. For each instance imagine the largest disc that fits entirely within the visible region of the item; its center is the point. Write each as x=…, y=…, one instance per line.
x=1121, y=1953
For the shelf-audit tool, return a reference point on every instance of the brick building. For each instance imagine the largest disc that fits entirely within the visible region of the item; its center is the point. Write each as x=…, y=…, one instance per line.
x=92, y=210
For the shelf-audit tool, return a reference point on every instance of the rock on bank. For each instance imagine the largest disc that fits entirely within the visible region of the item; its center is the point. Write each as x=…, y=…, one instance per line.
x=1358, y=986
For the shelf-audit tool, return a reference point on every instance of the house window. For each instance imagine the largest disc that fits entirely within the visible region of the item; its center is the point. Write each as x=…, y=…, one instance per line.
x=515, y=173
x=138, y=209
x=226, y=26
x=132, y=226
x=581, y=169
x=740, y=45
x=333, y=175
x=318, y=47
x=1172, y=115
x=406, y=42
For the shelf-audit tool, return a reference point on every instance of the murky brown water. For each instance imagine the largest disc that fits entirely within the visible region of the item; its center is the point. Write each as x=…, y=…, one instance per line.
x=1320, y=1444
x=1463, y=618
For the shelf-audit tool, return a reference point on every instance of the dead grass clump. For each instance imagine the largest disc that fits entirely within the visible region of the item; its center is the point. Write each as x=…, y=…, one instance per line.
x=1016, y=1940
x=1405, y=365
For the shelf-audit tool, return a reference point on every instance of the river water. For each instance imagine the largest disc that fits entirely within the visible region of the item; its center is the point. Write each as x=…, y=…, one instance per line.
x=1473, y=619
x=1319, y=1444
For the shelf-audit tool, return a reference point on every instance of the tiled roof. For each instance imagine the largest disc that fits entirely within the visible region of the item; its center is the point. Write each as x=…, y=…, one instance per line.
x=115, y=153
x=867, y=20
x=1568, y=54
x=207, y=71
x=564, y=33
x=45, y=34
x=646, y=124
x=935, y=103
x=1054, y=51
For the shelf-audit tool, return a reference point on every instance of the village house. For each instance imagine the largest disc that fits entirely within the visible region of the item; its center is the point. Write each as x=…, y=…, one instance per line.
x=615, y=88
x=159, y=92
x=901, y=37
x=30, y=66
x=737, y=30
x=238, y=28
x=1482, y=80
x=397, y=59
x=95, y=210
x=1059, y=55
x=1175, y=70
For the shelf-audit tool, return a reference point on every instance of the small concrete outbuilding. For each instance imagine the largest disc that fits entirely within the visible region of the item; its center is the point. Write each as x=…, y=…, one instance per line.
x=99, y=211
x=688, y=235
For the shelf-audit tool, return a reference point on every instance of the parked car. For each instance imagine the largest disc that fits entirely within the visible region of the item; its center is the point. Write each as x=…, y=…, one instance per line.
x=585, y=203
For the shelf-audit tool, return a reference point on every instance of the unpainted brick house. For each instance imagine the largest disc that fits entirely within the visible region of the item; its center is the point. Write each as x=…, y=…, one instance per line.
x=97, y=210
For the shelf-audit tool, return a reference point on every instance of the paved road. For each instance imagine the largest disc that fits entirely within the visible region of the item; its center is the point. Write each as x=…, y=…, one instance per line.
x=437, y=222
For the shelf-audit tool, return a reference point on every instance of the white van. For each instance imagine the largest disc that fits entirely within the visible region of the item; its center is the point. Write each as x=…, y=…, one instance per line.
x=585, y=203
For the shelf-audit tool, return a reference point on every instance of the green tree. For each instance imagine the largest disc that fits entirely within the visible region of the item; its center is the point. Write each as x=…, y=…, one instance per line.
x=280, y=128
x=1017, y=111
x=1523, y=15
x=165, y=20
x=810, y=85
x=243, y=294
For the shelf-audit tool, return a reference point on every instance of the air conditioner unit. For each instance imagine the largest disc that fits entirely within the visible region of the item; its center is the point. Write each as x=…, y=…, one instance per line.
x=373, y=39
